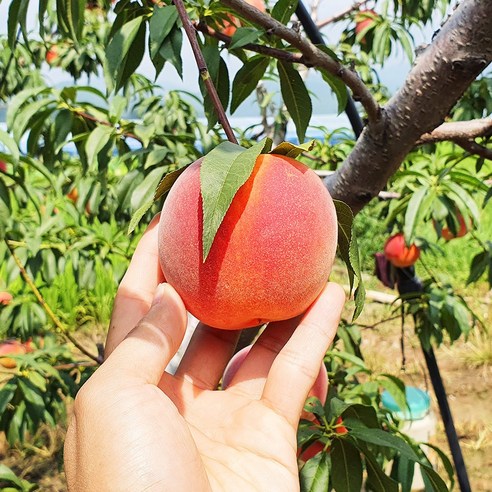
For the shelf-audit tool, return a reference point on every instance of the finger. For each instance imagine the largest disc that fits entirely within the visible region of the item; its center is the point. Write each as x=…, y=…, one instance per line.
x=137, y=288
x=206, y=356
x=296, y=367
x=148, y=348
x=250, y=378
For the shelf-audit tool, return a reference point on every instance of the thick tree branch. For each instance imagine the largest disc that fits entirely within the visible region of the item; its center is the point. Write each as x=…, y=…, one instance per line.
x=313, y=55
x=458, y=130
x=458, y=54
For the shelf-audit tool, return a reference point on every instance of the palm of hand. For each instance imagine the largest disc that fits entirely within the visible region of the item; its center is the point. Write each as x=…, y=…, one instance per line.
x=238, y=440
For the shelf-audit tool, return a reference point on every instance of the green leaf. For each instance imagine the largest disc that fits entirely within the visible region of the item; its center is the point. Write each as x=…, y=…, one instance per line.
x=403, y=471
x=346, y=466
x=290, y=150
x=171, y=50
x=145, y=191
x=125, y=42
x=363, y=413
x=396, y=388
x=223, y=171
x=137, y=216
x=349, y=252
x=432, y=480
x=478, y=266
x=284, y=9
x=315, y=474
x=244, y=36
x=9, y=144
x=22, y=119
x=167, y=181
x=376, y=478
x=97, y=140
x=384, y=439
x=445, y=461
x=7, y=392
x=296, y=97
x=413, y=213
x=161, y=23
x=247, y=78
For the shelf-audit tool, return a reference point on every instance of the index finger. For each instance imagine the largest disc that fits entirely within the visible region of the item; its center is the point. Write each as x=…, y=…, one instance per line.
x=296, y=367
x=137, y=288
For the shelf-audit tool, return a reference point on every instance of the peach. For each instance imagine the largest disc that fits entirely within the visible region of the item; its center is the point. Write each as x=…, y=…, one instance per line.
x=52, y=55
x=73, y=195
x=10, y=347
x=273, y=251
x=398, y=253
x=233, y=23
x=310, y=452
x=363, y=20
x=447, y=234
x=3, y=166
x=5, y=298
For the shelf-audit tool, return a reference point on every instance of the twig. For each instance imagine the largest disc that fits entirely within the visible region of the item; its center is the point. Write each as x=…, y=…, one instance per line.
x=257, y=48
x=370, y=327
x=58, y=324
x=458, y=130
x=474, y=148
x=204, y=73
x=341, y=15
x=73, y=365
x=313, y=55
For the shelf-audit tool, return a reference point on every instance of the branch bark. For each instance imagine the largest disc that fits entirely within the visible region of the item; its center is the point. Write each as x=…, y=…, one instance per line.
x=341, y=15
x=458, y=54
x=458, y=130
x=313, y=55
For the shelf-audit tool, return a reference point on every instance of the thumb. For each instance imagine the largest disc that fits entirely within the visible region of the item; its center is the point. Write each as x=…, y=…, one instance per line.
x=148, y=348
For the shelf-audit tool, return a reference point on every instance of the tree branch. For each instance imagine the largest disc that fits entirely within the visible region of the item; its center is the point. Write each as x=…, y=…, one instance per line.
x=257, y=48
x=341, y=15
x=204, y=73
x=313, y=55
x=458, y=130
x=474, y=148
x=460, y=51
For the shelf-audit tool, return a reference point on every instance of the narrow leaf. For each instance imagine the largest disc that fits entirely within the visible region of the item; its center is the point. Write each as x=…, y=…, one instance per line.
x=224, y=170
x=290, y=150
x=244, y=36
x=346, y=466
x=167, y=181
x=315, y=474
x=284, y=9
x=296, y=97
x=247, y=79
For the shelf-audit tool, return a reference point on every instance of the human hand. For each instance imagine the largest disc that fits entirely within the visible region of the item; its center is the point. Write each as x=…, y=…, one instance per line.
x=136, y=427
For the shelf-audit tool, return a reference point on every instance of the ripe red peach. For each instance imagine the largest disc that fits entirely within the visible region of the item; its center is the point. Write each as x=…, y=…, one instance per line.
x=3, y=166
x=273, y=251
x=231, y=26
x=5, y=298
x=10, y=347
x=398, y=253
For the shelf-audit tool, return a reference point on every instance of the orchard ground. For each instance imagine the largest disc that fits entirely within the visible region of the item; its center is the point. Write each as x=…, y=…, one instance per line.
x=466, y=369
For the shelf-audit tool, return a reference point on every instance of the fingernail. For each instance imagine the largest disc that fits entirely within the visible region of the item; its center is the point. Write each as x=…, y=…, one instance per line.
x=159, y=293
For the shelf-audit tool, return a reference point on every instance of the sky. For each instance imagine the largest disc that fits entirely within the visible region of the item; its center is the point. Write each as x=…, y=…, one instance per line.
x=392, y=74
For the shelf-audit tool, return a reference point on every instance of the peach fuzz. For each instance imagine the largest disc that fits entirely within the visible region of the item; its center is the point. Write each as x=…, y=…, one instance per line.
x=272, y=254
x=398, y=253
